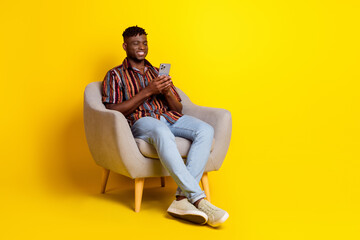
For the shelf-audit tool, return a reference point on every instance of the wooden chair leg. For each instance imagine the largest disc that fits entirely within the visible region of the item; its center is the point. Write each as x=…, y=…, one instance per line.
x=105, y=177
x=162, y=181
x=139, y=187
x=205, y=185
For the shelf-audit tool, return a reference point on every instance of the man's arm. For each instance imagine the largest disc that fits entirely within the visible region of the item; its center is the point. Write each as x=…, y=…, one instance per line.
x=172, y=101
x=129, y=106
x=155, y=87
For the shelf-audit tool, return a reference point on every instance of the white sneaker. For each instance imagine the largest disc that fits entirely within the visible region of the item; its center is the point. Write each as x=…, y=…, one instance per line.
x=216, y=216
x=185, y=210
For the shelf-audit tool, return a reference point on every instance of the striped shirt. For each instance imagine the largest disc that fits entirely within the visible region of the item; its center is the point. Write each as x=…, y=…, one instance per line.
x=124, y=82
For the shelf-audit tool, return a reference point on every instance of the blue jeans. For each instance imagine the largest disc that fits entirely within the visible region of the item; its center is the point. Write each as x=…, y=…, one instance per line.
x=161, y=134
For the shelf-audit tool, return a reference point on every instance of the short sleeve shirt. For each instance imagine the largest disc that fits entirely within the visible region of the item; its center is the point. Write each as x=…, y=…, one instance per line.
x=124, y=82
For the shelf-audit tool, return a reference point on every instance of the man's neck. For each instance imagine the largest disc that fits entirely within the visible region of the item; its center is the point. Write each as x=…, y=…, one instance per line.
x=137, y=64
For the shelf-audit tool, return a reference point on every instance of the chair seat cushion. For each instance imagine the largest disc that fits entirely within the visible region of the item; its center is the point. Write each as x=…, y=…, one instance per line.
x=149, y=150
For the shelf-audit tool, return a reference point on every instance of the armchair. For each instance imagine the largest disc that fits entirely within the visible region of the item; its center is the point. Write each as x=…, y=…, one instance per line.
x=114, y=148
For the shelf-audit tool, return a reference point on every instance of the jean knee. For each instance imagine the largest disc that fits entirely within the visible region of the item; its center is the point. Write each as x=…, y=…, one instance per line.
x=162, y=133
x=206, y=130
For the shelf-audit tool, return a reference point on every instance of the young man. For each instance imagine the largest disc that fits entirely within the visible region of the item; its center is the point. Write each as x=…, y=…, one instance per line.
x=153, y=109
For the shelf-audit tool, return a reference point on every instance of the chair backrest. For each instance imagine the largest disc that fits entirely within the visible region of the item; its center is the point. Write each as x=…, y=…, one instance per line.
x=93, y=96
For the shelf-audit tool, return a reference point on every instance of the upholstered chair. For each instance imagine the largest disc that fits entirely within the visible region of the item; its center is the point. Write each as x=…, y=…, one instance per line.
x=114, y=148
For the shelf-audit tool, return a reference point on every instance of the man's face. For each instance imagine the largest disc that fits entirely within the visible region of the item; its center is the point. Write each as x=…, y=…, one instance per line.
x=136, y=47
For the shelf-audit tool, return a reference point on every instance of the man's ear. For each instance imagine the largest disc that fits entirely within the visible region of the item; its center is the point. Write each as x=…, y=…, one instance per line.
x=124, y=46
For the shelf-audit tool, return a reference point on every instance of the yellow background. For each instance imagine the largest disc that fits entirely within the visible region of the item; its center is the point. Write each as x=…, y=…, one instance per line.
x=287, y=70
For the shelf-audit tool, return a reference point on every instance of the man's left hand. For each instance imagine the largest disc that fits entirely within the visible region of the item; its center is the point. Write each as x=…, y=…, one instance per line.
x=166, y=90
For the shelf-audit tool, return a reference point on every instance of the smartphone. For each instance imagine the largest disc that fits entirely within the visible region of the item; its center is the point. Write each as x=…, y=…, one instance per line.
x=164, y=69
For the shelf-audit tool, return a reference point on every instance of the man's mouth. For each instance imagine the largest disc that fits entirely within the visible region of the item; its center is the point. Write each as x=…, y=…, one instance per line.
x=141, y=53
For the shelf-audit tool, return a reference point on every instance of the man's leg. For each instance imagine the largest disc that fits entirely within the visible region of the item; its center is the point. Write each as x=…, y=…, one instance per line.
x=201, y=134
x=158, y=133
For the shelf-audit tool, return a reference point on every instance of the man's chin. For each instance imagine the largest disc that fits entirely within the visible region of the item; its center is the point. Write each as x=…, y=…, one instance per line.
x=138, y=59
x=141, y=57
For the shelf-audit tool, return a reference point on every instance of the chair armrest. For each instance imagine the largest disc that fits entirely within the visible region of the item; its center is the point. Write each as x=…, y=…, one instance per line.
x=221, y=121
x=110, y=140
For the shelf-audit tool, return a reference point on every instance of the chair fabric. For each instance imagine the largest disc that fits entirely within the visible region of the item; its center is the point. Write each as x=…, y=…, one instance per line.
x=113, y=146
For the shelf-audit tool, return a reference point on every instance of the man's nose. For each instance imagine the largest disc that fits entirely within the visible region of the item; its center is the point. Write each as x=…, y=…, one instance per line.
x=142, y=46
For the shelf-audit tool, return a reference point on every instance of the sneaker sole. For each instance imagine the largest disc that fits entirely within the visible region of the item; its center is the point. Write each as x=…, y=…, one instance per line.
x=220, y=221
x=192, y=216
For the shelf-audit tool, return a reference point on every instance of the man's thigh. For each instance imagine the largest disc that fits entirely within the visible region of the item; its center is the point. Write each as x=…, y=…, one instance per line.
x=188, y=127
x=148, y=127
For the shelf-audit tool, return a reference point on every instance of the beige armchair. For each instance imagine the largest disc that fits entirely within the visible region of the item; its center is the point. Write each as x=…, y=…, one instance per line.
x=114, y=148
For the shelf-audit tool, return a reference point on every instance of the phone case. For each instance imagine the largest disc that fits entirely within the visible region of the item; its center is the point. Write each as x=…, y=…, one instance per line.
x=164, y=69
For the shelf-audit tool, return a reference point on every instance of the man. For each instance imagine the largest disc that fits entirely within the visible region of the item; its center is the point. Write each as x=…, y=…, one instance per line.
x=154, y=111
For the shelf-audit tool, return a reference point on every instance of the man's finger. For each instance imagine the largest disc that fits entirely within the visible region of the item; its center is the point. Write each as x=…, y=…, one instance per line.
x=160, y=78
x=165, y=85
x=163, y=81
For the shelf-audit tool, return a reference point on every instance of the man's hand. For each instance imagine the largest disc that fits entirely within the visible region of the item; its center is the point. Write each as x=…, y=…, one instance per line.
x=161, y=84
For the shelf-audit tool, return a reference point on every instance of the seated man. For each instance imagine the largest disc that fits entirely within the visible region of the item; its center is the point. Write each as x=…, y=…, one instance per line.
x=153, y=109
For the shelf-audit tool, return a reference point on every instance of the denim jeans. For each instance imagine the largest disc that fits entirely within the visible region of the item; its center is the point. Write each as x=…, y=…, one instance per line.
x=161, y=134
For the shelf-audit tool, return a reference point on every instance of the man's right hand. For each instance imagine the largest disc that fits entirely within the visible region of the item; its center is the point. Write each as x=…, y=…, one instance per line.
x=159, y=84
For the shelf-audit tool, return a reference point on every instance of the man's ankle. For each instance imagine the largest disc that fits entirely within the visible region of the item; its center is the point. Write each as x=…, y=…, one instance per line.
x=178, y=198
x=197, y=202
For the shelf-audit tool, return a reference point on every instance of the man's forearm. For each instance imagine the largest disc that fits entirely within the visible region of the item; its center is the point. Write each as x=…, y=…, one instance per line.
x=129, y=106
x=155, y=87
x=172, y=101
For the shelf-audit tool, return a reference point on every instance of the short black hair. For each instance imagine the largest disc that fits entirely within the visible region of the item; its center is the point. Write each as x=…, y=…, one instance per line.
x=133, y=31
